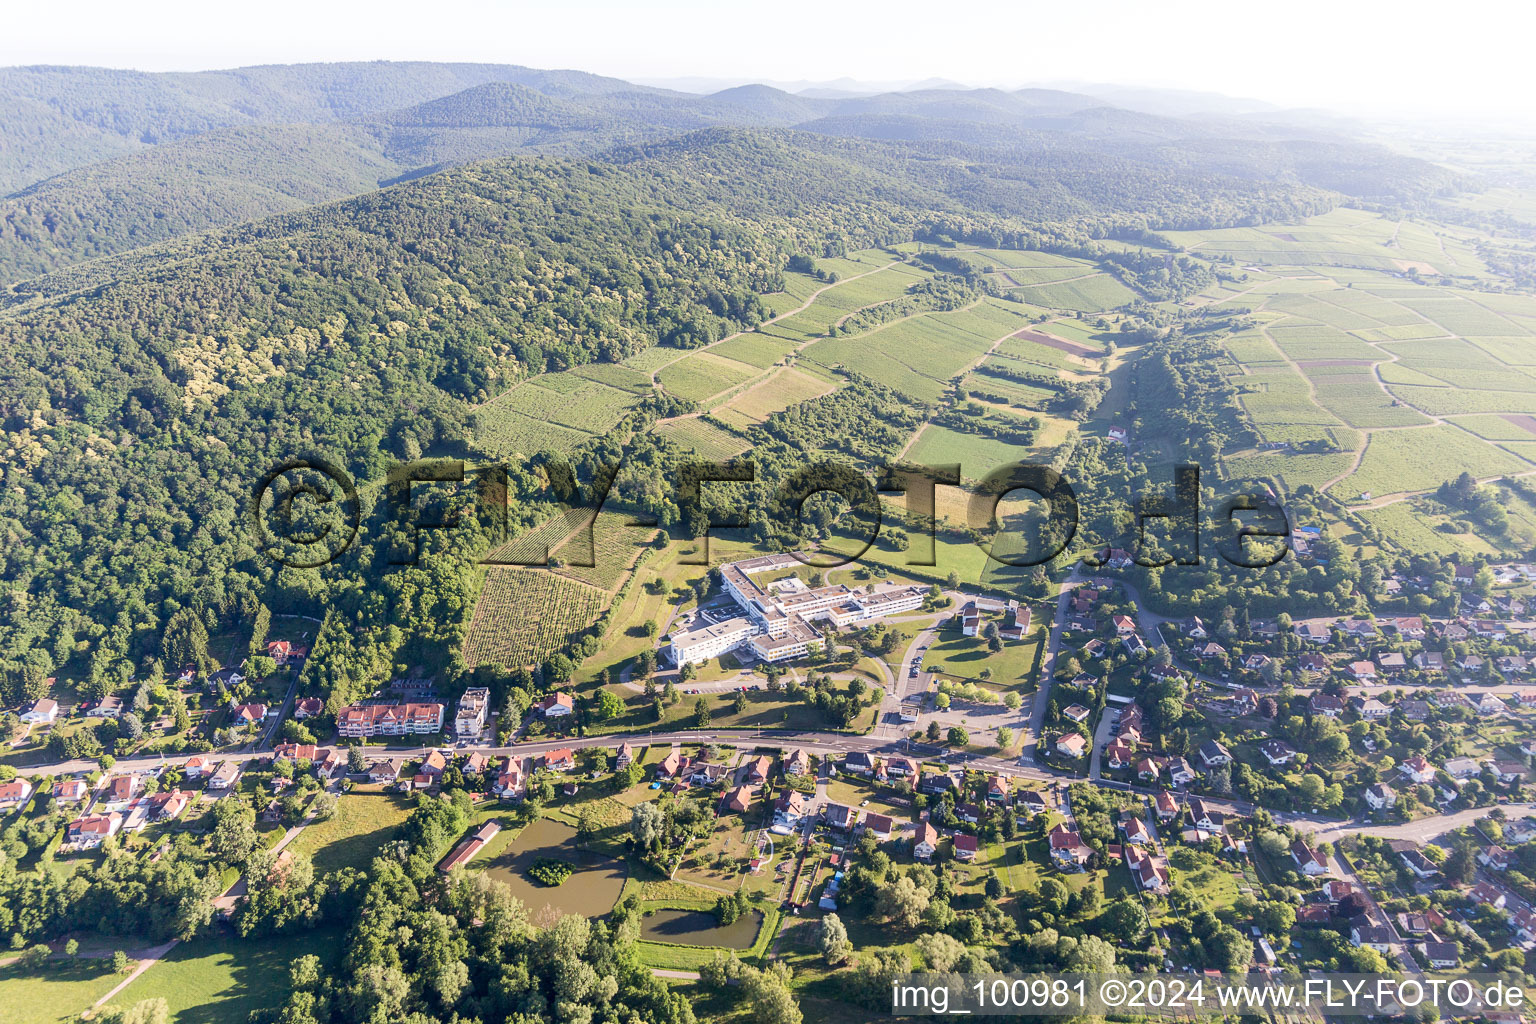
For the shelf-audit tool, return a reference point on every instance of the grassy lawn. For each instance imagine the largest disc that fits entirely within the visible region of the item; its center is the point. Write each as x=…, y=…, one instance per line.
x=220, y=981
x=964, y=657
x=854, y=791
x=764, y=710
x=56, y=992
x=352, y=836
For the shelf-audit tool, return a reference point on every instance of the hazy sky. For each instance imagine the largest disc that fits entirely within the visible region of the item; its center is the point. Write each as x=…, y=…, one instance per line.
x=1344, y=54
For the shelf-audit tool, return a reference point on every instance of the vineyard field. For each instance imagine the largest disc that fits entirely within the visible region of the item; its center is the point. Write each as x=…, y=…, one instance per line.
x=525, y=615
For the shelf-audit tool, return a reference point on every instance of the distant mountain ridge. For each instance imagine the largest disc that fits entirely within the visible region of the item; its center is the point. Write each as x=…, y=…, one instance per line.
x=100, y=161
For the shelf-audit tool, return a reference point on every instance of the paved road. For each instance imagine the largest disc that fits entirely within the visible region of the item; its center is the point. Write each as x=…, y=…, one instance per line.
x=1048, y=668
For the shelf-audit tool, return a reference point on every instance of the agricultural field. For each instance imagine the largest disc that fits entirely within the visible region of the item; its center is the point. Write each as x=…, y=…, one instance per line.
x=786, y=388
x=920, y=355
x=704, y=374
x=1398, y=461
x=1089, y=294
x=611, y=547
x=976, y=455
x=554, y=412
x=847, y=297
x=525, y=615
x=654, y=358
x=754, y=349
x=706, y=439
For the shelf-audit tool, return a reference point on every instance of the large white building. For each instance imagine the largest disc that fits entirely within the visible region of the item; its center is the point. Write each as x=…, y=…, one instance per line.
x=699, y=645
x=469, y=722
x=777, y=620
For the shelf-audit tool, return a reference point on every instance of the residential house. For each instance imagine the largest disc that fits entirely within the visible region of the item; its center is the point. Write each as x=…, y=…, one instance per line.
x=1146, y=770
x=878, y=825
x=1165, y=806
x=1495, y=858
x=858, y=762
x=14, y=794
x=1134, y=828
x=308, y=707
x=294, y=752
x=965, y=846
x=1420, y=865
x=70, y=791
x=1204, y=817
x=1068, y=851
x=1461, y=768
x=434, y=764
x=247, y=714
x=1482, y=892
x=799, y=762
x=1076, y=714
x=1507, y=771
x=1149, y=870
x=1441, y=956
x=1429, y=661
x=1119, y=754
x=670, y=765
x=1419, y=770
x=168, y=806
x=1371, y=709
x=383, y=772
x=558, y=760
x=738, y=799
x=1380, y=796
x=1072, y=745
x=1312, y=664
x=120, y=790
x=93, y=830
x=1370, y=936
x=1308, y=860
x=556, y=705
x=759, y=770
x=224, y=775
x=1124, y=625
x=1392, y=662
x=511, y=781
x=789, y=808
x=1277, y=752
x=625, y=758
x=1213, y=754
x=108, y=707
x=926, y=843
x=43, y=712
x=997, y=788
x=1180, y=773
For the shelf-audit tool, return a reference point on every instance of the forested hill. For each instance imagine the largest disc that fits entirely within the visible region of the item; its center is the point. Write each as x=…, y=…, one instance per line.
x=53, y=119
x=142, y=394
x=139, y=158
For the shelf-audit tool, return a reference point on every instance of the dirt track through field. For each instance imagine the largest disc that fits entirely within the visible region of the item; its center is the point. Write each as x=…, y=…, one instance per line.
x=1071, y=348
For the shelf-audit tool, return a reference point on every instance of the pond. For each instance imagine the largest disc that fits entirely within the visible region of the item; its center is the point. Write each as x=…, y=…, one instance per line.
x=591, y=891
x=701, y=928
